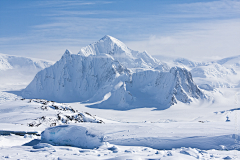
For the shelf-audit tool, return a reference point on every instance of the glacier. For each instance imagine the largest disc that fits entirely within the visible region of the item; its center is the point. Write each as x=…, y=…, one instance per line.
x=107, y=74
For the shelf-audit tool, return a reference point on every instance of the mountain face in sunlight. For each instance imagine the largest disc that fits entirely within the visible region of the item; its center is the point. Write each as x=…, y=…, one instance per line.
x=107, y=74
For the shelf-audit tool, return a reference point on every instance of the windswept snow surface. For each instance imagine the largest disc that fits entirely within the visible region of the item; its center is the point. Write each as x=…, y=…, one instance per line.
x=196, y=131
x=107, y=74
x=153, y=136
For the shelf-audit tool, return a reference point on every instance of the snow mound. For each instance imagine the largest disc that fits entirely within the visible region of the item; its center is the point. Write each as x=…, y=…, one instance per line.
x=76, y=136
x=107, y=74
x=42, y=145
x=7, y=97
x=93, y=136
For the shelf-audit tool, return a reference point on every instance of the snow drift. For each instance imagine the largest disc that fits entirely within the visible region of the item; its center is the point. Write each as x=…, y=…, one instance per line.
x=75, y=136
x=107, y=74
x=85, y=136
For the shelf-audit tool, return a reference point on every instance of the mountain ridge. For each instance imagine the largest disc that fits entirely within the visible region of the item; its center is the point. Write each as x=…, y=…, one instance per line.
x=16, y=62
x=107, y=81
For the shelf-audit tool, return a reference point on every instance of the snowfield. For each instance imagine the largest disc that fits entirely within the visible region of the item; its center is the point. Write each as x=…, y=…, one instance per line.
x=110, y=102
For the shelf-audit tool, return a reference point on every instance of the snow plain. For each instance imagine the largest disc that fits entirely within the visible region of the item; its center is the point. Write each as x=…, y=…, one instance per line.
x=206, y=129
x=197, y=131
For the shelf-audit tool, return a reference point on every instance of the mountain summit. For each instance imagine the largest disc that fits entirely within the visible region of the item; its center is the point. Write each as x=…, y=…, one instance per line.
x=112, y=47
x=106, y=45
x=107, y=74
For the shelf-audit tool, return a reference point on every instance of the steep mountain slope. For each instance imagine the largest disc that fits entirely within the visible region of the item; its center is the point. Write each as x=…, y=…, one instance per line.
x=4, y=64
x=75, y=77
x=119, y=51
x=107, y=74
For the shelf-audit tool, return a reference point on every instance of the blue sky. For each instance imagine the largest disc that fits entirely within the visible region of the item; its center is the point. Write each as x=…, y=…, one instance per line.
x=198, y=29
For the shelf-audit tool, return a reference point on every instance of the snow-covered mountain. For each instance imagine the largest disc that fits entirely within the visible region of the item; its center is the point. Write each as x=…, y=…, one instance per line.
x=215, y=75
x=107, y=74
x=233, y=63
x=17, y=62
x=117, y=50
x=16, y=72
x=222, y=73
x=230, y=61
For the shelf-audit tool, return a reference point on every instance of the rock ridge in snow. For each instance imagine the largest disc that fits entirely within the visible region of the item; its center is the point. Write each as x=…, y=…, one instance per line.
x=107, y=74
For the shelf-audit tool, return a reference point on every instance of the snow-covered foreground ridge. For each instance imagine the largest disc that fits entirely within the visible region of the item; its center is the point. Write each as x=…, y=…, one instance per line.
x=86, y=136
x=114, y=76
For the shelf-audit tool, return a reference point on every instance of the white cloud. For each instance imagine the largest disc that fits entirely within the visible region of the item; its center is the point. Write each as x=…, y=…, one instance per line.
x=202, y=41
x=59, y=3
x=194, y=30
x=212, y=8
x=197, y=41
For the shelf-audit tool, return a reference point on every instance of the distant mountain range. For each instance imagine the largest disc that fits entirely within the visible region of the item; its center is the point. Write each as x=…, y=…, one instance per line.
x=222, y=73
x=16, y=72
x=16, y=62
